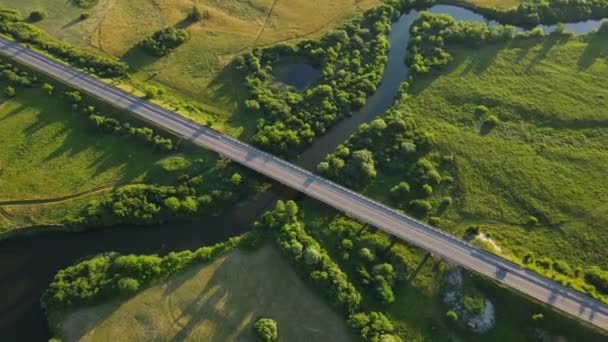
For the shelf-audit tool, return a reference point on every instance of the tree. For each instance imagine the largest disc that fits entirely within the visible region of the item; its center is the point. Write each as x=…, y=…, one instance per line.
x=421, y=206
x=312, y=256
x=48, y=88
x=173, y=204
x=128, y=285
x=291, y=209
x=366, y=255
x=533, y=221
x=266, y=329
x=538, y=316
x=152, y=92
x=401, y=189
x=37, y=15
x=452, y=316
x=236, y=179
x=10, y=91
x=427, y=190
x=197, y=14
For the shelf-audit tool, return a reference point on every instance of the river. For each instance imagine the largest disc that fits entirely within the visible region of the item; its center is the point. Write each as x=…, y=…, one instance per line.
x=28, y=264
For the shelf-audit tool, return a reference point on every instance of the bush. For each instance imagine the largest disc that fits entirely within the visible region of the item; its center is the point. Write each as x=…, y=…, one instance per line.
x=85, y=15
x=373, y=326
x=85, y=3
x=266, y=329
x=491, y=121
x=37, y=15
x=452, y=316
x=128, y=285
x=446, y=201
x=10, y=91
x=197, y=14
x=538, y=317
x=162, y=42
x=532, y=221
x=421, y=206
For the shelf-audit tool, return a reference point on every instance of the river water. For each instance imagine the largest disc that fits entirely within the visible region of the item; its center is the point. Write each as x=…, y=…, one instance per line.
x=28, y=264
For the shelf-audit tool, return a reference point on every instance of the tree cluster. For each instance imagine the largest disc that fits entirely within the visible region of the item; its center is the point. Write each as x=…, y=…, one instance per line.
x=111, y=125
x=163, y=41
x=374, y=326
x=12, y=24
x=16, y=76
x=431, y=33
x=154, y=204
x=325, y=274
x=351, y=60
x=308, y=255
x=534, y=12
x=110, y=275
x=595, y=279
x=395, y=145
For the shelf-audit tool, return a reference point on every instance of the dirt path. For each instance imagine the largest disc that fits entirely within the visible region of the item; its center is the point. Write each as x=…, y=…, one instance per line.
x=62, y=198
x=274, y=3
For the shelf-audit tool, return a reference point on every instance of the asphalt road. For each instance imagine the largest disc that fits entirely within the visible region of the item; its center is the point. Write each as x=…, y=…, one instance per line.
x=364, y=209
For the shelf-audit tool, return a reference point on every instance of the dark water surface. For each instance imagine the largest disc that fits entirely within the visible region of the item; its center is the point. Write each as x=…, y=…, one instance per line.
x=28, y=264
x=297, y=75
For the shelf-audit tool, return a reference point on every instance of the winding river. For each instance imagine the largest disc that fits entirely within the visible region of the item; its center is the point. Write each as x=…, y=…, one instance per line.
x=28, y=264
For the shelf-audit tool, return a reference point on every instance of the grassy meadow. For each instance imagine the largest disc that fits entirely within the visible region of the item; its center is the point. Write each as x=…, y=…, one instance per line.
x=215, y=302
x=546, y=158
x=53, y=161
x=196, y=70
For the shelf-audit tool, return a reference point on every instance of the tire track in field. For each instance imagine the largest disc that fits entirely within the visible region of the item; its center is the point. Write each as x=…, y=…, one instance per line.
x=61, y=198
x=274, y=3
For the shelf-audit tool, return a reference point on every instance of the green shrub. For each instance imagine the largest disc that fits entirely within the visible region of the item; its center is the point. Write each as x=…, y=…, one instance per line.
x=266, y=329
x=163, y=41
x=37, y=15
x=421, y=206
x=452, y=316
x=10, y=91
x=85, y=3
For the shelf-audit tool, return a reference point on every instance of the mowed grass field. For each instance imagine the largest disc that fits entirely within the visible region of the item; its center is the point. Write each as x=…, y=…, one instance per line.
x=196, y=70
x=548, y=156
x=215, y=302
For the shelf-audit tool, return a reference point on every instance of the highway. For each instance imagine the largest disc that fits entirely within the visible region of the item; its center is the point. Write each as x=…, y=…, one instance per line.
x=345, y=200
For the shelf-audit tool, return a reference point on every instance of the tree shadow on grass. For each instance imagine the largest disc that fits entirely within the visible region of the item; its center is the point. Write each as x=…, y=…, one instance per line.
x=137, y=58
x=15, y=111
x=548, y=43
x=597, y=47
x=77, y=136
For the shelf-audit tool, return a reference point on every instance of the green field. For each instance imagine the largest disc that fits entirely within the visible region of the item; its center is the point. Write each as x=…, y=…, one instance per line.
x=215, y=302
x=53, y=160
x=50, y=151
x=547, y=158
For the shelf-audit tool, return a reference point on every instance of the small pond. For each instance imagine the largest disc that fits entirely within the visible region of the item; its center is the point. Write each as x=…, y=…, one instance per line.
x=297, y=75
